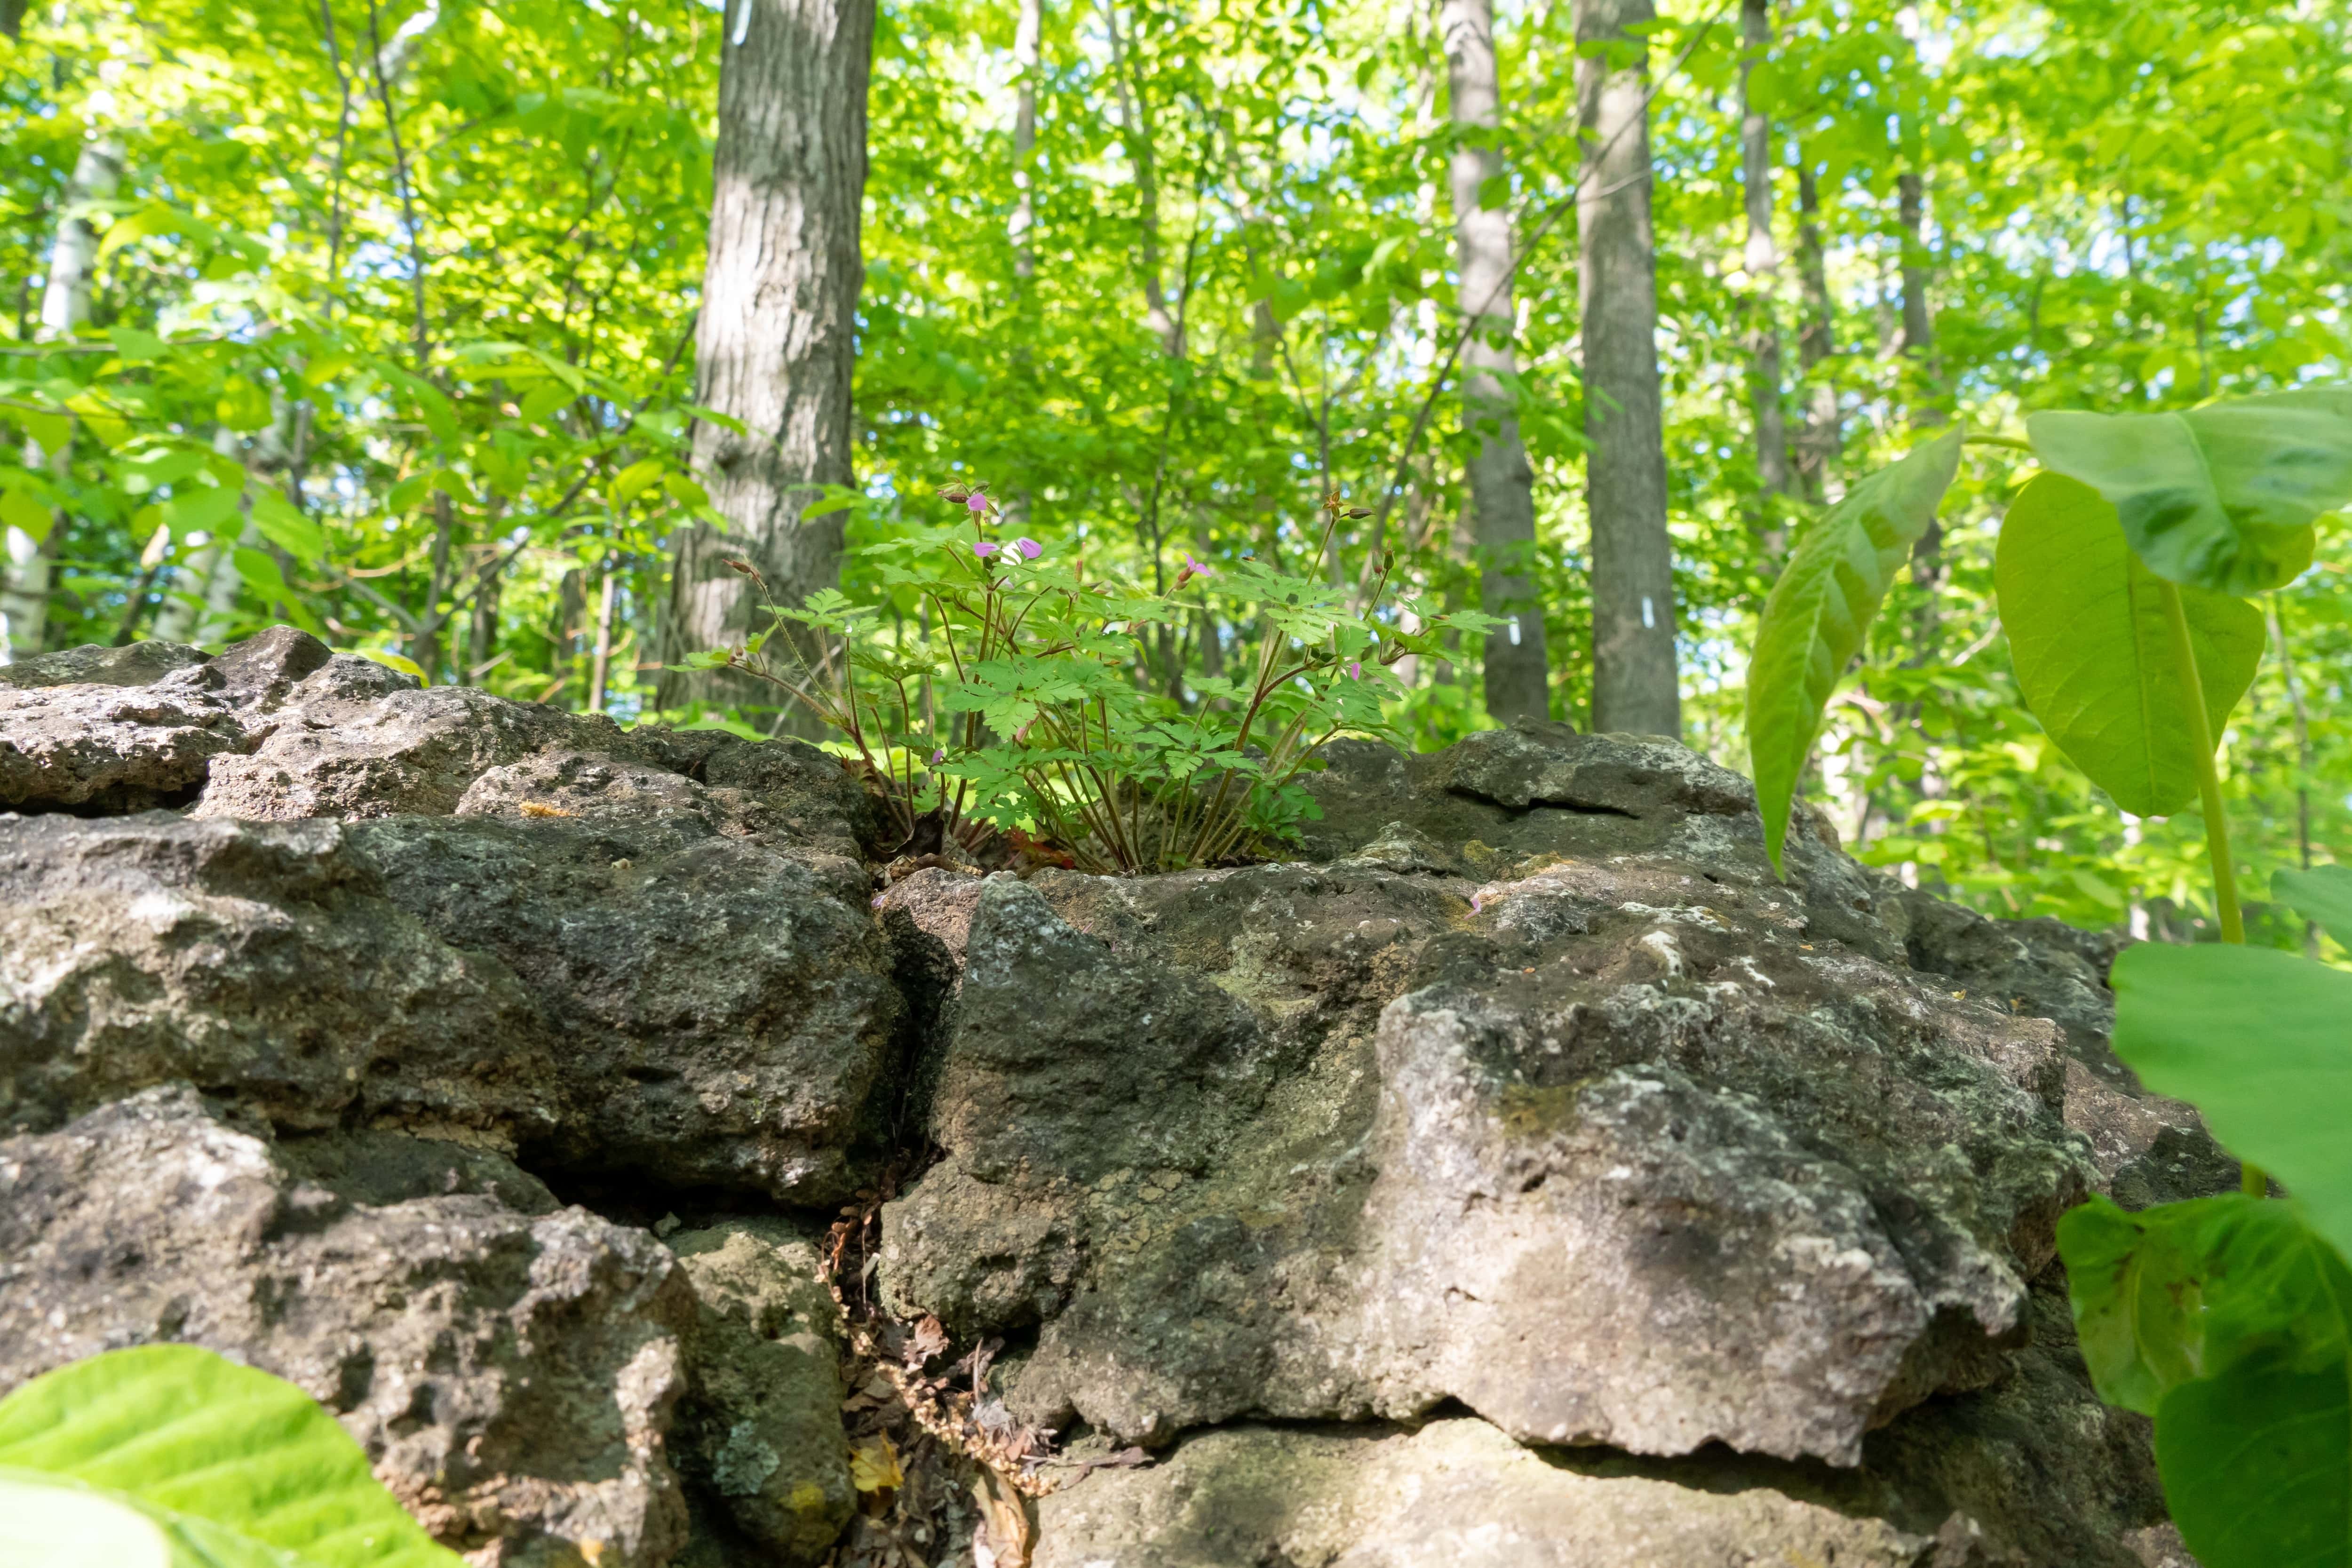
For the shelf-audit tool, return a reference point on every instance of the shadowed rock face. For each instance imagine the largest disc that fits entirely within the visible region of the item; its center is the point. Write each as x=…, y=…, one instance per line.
x=1571, y=1189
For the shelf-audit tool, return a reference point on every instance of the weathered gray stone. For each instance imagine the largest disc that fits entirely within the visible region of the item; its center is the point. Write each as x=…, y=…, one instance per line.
x=2032, y=1473
x=630, y=998
x=761, y=1429
x=1455, y=1494
x=2148, y=1149
x=1630, y=1160
x=94, y=748
x=509, y=1365
x=93, y=664
x=1531, y=1090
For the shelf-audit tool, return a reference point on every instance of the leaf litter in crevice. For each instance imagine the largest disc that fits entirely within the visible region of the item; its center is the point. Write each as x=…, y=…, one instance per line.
x=944, y=1472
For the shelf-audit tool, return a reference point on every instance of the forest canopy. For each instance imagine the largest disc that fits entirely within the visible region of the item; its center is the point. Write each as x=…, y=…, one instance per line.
x=413, y=325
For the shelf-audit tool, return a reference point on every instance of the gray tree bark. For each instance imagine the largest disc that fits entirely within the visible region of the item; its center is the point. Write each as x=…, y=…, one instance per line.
x=1819, y=439
x=1501, y=482
x=1919, y=348
x=776, y=339
x=1633, y=678
x=65, y=306
x=1028, y=43
x=1762, y=261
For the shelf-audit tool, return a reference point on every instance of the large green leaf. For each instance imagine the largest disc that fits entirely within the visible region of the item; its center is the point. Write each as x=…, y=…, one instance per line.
x=2323, y=895
x=184, y=1431
x=2221, y=497
x=2186, y=1290
x=2093, y=645
x=2257, y=1466
x=2227, y=1320
x=49, y=1521
x=2260, y=1042
x=1820, y=609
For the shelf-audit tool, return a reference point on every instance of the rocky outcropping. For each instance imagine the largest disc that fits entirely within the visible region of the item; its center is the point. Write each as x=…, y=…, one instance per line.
x=1524, y=1174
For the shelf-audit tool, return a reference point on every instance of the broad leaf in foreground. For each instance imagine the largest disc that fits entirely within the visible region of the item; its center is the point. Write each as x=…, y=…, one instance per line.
x=2260, y=1042
x=2222, y=497
x=2227, y=1320
x=193, y=1438
x=2091, y=644
x=1820, y=609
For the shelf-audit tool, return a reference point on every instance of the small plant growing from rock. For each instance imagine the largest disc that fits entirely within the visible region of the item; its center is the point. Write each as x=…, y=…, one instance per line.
x=172, y=1456
x=2122, y=573
x=1043, y=704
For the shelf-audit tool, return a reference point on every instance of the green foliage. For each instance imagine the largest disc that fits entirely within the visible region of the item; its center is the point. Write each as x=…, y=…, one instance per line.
x=172, y=1456
x=1820, y=609
x=2229, y=1319
x=2221, y=497
x=2093, y=645
x=2260, y=1042
x=1016, y=708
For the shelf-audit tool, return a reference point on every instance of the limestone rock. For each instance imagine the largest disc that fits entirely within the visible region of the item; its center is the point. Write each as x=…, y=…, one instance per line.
x=761, y=1429
x=279, y=728
x=623, y=998
x=2034, y=1473
x=509, y=1365
x=1624, y=1158
x=95, y=747
x=1455, y=1494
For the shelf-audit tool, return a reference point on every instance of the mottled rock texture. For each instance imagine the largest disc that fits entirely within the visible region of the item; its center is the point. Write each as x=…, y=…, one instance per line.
x=1522, y=1174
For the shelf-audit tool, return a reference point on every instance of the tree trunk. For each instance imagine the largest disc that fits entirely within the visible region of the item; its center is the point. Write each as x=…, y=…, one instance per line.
x=1143, y=151
x=65, y=307
x=1028, y=44
x=1821, y=439
x=1919, y=349
x=776, y=339
x=1762, y=261
x=1501, y=484
x=603, y=667
x=1633, y=678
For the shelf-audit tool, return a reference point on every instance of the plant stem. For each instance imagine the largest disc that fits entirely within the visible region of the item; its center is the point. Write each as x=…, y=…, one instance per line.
x=2209, y=791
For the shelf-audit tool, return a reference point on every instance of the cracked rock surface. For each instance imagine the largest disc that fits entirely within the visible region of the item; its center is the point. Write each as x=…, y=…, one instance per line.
x=1521, y=1174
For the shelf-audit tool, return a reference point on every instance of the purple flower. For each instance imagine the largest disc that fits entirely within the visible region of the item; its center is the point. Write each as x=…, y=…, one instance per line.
x=1197, y=568
x=1356, y=670
x=986, y=548
x=939, y=756
x=1030, y=549
x=978, y=504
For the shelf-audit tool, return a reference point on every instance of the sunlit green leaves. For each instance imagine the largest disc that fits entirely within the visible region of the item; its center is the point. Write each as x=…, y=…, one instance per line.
x=2221, y=497
x=223, y=1457
x=2260, y=1042
x=2093, y=645
x=2230, y=1320
x=1820, y=609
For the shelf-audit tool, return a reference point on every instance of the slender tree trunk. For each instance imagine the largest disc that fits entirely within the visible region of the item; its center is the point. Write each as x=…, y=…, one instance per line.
x=602, y=668
x=1762, y=261
x=1820, y=440
x=1028, y=45
x=65, y=307
x=1501, y=483
x=1634, y=677
x=1919, y=348
x=776, y=341
x=1135, y=123
x=482, y=631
